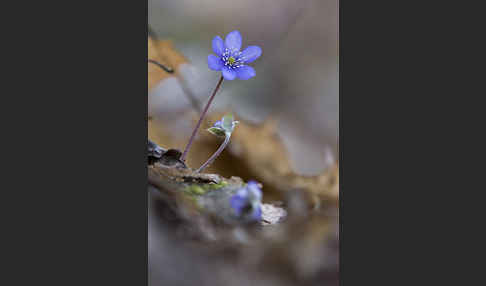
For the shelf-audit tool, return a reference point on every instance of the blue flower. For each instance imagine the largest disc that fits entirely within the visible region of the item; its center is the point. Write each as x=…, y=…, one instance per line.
x=229, y=60
x=218, y=124
x=247, y=201
x=223, y=127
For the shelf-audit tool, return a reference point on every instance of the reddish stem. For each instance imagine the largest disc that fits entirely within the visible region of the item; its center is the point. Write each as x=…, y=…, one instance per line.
x=216, y=154
x=183, y=157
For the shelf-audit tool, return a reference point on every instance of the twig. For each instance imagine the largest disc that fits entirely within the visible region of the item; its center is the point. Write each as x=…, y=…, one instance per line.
x=165, y=68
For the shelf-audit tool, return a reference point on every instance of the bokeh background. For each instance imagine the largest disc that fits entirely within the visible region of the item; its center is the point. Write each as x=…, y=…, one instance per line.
x=291, y=148
x=297, y=75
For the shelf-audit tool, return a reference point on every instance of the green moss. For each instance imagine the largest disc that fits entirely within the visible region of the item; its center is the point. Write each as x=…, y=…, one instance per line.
x=218, y=186
x=201, y=189
x=198, y=190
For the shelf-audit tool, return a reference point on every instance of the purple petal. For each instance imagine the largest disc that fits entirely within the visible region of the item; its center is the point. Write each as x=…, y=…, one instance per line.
x=215, y=63
x=242, y=192
x=252, y=183
x=253, y=187
x=228, y=74
x=218, y=46
x=237, y=203
x=251, y=53
x=245, y=72
x=218, y=124
x=257, y=213
x=233, y=41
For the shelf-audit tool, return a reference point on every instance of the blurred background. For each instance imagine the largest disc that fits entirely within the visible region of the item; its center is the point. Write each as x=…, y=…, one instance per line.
x=288, y=139
x=296, y=76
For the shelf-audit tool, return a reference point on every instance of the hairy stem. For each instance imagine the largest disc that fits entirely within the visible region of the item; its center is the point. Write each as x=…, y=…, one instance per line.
x=216, y=154
x=183, y=157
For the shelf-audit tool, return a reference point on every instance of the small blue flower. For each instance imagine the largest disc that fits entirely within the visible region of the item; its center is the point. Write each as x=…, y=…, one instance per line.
x=247, y=201
x=223, y=127
x=218, y=124
x=229, y=60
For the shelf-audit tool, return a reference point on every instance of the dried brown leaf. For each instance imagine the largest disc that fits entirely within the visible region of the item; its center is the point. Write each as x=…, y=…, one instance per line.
x=262, y=151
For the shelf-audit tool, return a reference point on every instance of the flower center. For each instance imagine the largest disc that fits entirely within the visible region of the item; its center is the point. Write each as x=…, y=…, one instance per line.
x=232, y=59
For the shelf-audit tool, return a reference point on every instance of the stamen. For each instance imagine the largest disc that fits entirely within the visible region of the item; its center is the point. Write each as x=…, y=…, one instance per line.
x=232, y=58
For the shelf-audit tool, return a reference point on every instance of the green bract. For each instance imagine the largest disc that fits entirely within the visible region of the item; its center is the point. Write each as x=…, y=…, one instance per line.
x=228, y=123
x=217, y=131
